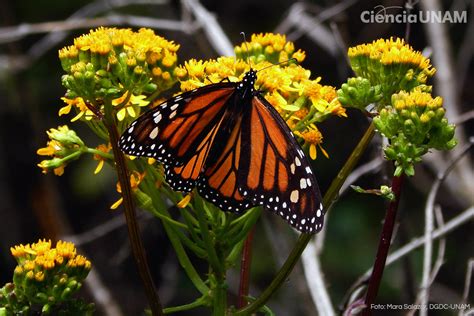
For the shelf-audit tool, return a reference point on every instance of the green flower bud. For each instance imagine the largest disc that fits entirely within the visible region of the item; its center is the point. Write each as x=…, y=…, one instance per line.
x=413, y=124
x=359, y=93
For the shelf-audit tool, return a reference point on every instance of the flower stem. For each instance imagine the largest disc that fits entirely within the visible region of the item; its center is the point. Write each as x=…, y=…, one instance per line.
x=130, y=217
x=384, y=245
x=329, y=198
x=219, y=295
x=245, y=264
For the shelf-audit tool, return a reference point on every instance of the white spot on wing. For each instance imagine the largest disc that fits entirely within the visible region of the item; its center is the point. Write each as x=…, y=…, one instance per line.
x=303, y=183
x=297, y=161
x=294, y=196
x=158, y=118
x=154, y=133
x=174, y=107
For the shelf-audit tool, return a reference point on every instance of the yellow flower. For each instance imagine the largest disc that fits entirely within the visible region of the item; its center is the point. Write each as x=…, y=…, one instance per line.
x=277, y=100
x=53, y=146
x=47, y=165
x=313, y=138
x=103, y=148
x=59, y=171
x=273, y=78
x=134, y=100
x=192, y=69
x=184, y=201
x=81, y=107
x=135, y=179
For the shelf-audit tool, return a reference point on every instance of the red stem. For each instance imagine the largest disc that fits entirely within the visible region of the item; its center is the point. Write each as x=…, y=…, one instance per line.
x=245, y=270
x=384, y=245
x=132, y=225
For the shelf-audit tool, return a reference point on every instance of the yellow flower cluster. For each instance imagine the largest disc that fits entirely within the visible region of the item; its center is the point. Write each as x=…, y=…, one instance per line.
x=384, y=67
x=415, y=123
x=271, y=47
x=36, y=259
x=119, y=64
x=393, y=51
x=416, y=98
x=143, y=45
x=300, y=100
x=64, y=145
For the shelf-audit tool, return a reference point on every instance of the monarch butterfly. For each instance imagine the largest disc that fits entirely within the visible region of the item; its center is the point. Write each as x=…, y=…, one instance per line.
x=230, y=143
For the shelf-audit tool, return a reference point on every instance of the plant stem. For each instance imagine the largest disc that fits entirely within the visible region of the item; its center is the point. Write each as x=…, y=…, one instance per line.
x=130, y=217
x=245, y=264
x=219, y=295
x=329, y=198
x=384, y=245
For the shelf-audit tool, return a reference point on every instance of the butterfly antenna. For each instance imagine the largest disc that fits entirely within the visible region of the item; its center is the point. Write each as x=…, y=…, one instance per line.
x=281, y=62
x=246, y=47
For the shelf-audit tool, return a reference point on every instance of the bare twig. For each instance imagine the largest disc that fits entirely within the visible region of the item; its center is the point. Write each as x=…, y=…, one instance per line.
x=208, y=22
x=101, y=230
x=466, y=50
x=101, y=295
x=17, y=32
x=467, y=284
x=370, y=167
x=442, y=246
x=446, y=84
x=82, y=19
x=93, y=9
x=426, y=277
x=340, y=43
x=438, y=263
x=306, y=24
x=428, y=252
x=415, y=243
x=315, y=281
x=466, y=116
x=409, y=5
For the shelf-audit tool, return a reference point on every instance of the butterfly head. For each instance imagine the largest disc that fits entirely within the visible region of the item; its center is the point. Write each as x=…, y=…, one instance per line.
x=246, y=87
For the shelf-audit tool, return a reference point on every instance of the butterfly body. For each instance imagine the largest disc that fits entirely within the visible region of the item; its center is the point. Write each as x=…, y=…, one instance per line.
x=226, y=140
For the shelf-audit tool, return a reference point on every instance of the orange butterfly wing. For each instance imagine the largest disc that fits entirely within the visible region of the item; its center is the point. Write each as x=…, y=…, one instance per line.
x=274, y=172
x=219, y=182
x=175, y=130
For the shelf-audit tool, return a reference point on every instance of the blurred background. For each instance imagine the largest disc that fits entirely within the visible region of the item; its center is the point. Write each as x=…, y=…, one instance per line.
x=76, y=205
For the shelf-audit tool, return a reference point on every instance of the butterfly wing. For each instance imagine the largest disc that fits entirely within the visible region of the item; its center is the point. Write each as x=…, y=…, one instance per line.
x=180, y=132
x=274, y=172
x=183, y=178
x=177, y=129
x=220, y=183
